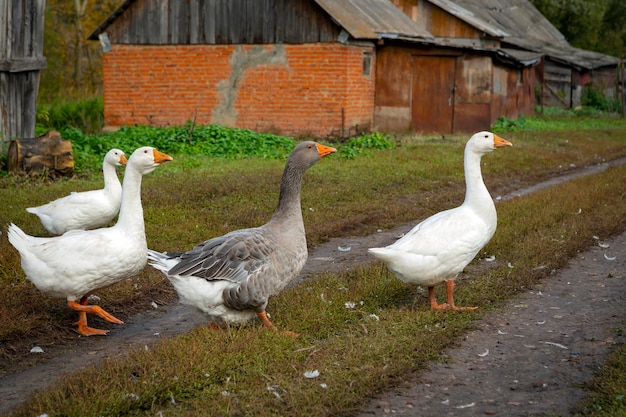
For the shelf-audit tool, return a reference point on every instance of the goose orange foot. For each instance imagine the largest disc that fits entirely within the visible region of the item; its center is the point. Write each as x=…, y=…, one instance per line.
x=83, y=309
x=450, y=304
x=268, y=324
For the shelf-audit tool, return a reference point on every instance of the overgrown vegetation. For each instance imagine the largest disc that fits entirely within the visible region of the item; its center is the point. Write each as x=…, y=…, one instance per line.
x=555, y=118
x=81, y=122
x=86, y=115
x=248, y=371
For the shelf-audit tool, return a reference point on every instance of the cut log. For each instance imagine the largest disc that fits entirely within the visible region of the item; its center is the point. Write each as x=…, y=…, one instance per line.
x=47, y=153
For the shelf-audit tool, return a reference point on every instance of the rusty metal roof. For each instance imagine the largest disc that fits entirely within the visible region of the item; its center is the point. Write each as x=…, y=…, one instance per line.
x=373, y=19
x=456, y=9
x=519, y=23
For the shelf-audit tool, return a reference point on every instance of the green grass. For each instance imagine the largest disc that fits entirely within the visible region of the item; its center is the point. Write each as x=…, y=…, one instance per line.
x=247, y=371
x=608, y=390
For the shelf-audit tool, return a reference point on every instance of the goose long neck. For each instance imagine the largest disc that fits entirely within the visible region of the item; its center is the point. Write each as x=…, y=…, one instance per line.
x=289, y=198
x=131, y=211
x=110, y=175
x=476, y=193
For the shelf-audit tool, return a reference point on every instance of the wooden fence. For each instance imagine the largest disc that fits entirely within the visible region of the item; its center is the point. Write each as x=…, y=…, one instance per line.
x=21, y=60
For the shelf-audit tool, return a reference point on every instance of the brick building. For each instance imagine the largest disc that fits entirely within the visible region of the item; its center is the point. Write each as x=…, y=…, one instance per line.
x=324, y=67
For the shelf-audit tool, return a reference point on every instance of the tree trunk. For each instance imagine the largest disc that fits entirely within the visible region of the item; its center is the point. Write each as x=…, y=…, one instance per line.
x=48, y=153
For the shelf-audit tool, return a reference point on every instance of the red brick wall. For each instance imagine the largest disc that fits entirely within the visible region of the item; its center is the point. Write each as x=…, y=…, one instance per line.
x=311, y=89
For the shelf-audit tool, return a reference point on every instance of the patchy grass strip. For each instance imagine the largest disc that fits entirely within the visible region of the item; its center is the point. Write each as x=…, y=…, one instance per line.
x=608, y=389
x=361, y=331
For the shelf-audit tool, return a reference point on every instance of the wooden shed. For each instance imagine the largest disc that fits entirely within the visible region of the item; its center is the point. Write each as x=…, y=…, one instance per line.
x=564, y=72
x=270, y=65
x=21, y=60
x=304, y=67
x=334, y=67
x=461, y=82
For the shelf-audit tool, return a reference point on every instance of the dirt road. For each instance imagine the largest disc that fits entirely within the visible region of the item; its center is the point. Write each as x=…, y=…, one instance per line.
x=532, y=357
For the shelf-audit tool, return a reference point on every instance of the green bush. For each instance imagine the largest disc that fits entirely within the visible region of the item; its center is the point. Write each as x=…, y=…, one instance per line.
x=358, y=145
x=86, y=115
x=596, y=100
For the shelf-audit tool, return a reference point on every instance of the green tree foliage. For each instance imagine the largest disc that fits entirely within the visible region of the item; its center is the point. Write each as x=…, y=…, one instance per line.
x=595, y=25
x=74, y=68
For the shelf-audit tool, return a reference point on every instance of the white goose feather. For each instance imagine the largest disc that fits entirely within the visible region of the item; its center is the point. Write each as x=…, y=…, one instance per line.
x=439, y=248
x=79, y=262
x=87, y=209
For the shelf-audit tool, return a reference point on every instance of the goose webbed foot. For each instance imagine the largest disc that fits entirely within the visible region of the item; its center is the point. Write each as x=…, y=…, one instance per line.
x=450, y=304
x=83, y=308
x=268, y=324
x=450, y=291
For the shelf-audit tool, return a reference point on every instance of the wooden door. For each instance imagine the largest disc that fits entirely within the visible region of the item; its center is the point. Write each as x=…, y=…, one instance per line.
x=432, y=98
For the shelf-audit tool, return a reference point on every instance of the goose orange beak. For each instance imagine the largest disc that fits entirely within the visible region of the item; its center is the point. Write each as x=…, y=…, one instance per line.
x=324, y=150
x=123, y=160
x=160, y=157
x=499, y=142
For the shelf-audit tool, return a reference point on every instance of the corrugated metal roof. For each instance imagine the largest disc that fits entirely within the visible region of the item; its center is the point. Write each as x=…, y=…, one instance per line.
x=362, y=19
x=525, y=27
x=456, y=9
x=372, y=19
x=514, y=22
x=525, y=58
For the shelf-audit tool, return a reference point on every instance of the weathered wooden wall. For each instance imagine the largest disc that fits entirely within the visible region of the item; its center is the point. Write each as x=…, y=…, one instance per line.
x=436, y=20
x=21, y=59
x=557, y=85
x=222, y=22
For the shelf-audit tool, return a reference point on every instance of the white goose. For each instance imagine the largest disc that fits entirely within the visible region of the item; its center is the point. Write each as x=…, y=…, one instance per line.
x=79, y=262
x=88, y=209
x=232, y=277
x=438, y=248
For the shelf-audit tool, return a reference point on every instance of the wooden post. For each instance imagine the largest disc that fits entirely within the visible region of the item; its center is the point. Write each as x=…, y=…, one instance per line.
x=21, y=59
x=47, y=153
x=622, y=81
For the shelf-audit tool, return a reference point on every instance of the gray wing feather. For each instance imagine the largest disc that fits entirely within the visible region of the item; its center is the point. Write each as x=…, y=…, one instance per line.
x=233, y=257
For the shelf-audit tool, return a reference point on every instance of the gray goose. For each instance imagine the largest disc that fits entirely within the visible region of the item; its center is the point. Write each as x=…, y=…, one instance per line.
x=231, y=277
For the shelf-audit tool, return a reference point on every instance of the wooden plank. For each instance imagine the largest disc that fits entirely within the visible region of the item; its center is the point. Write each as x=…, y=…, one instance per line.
x=233, y=24
x=221, y=16
x=5, y=118
x=162, y=24
x=268, y=32
x=4, y=17
x=173, y=22
x=17, y=30
x=38, y=27
x=194, y=22
x=249, y=22
x=23, y=64
x=210, y=10
x=22, y=58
